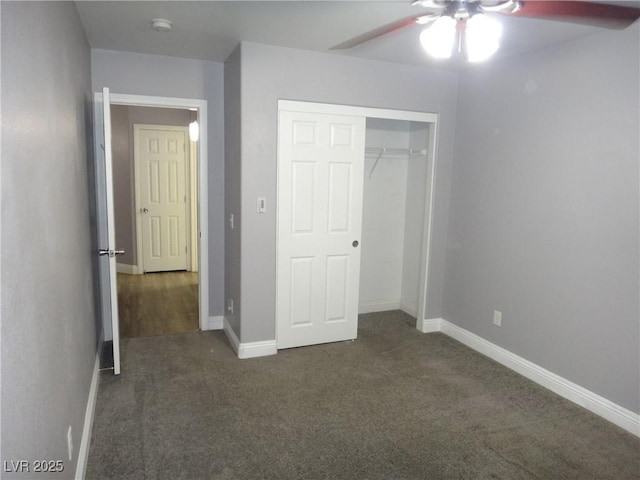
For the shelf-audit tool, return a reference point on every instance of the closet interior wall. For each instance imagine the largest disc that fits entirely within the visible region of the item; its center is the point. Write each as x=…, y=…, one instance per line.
x=393, y=215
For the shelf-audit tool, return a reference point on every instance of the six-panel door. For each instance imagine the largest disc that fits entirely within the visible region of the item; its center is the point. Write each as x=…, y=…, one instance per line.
x=320, y=181
x=161, y=166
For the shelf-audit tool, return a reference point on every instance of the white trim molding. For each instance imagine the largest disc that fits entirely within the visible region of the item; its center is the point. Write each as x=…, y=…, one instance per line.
x=408, y=309
x=214, y=323
x=249, y=349
x=378, y=306
x=385, y=306
x=125, y=268
x=428, y=325
x=85, y=441
x=373, y=112
x=620, y=416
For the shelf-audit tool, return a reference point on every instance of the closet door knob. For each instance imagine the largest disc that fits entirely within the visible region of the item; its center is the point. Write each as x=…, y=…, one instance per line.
x=355, y=243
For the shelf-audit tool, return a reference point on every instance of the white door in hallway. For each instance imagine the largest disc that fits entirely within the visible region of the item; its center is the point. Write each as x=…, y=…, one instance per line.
x=161, y=193
x=106, y=222
x=320, y=181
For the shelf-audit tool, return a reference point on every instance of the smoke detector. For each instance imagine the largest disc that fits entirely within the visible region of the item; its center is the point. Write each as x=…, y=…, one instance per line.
x=161, y=25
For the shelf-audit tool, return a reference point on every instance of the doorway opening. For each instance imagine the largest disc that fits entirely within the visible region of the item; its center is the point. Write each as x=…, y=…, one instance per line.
x=155, y=206
x=197, y=212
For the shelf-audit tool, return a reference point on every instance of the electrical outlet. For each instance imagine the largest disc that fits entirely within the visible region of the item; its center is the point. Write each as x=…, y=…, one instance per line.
x=230, y=305
x=497, y=318
x=70, y=442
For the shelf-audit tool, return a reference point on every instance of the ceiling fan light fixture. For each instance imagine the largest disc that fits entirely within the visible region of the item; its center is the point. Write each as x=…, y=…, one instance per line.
x=482, y=37
x=431, y=4
x=438, y=39
x=507, y=6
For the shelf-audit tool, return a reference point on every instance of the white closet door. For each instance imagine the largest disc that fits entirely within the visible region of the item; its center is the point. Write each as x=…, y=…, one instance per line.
x=320, y=177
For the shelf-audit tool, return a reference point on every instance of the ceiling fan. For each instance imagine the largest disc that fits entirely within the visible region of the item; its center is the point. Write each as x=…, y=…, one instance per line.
x=463, y=26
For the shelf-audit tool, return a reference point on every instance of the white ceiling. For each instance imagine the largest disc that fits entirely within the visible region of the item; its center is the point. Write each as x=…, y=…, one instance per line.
x=209, y=30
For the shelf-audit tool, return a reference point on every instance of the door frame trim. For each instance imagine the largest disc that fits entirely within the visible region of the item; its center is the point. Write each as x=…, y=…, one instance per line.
x=203, y=185
x=390, y=114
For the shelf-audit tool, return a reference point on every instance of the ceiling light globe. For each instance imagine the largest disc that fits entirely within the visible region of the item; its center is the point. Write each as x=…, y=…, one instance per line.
x=194, y=131
x=482, y=37
x=438, y=39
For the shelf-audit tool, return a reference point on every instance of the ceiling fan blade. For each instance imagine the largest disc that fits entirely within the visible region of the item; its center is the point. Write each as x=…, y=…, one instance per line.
x=604, y=15
x=378, y=32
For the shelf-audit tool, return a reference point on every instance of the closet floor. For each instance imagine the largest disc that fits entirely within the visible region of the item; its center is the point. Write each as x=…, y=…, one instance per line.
x=157, y=303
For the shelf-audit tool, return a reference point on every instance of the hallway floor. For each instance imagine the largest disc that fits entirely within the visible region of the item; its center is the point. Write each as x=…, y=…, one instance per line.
x=157, y=303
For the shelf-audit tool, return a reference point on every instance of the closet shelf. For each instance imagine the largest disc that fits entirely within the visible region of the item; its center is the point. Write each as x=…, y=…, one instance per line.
x=391, y=151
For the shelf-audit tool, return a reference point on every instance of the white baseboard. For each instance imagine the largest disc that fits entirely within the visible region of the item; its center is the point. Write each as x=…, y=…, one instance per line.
x=213, y=323
x=125, y=268
x=428, y=325
x=387, y=305
x=378, y=306
x=85, y=442
x=620, y=416
x=409, y=309
x=249, y=349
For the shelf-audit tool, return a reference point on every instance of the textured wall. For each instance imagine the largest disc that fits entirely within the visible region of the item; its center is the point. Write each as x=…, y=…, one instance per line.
x=233, y=178
x=48, y=314
x=139, y=74
x=545, y=210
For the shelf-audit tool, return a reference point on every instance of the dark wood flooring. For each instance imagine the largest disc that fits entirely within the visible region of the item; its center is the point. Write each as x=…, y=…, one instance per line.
x=157, y=303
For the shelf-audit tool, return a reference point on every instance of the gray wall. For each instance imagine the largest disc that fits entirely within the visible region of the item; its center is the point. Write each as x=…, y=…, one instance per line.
x=272, y=73
x=544, y=217
x=139, y=74
x=123, y=118
x=49, y=319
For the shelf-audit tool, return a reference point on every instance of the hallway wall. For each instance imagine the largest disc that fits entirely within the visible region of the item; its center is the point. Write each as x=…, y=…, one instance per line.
x=49, y=316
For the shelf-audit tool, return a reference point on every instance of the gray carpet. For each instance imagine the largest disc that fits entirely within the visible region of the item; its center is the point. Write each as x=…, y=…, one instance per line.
x=394, y=404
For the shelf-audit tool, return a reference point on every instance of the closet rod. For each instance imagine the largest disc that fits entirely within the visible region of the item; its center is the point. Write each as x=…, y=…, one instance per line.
x=395, y=151
x=392, y=151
